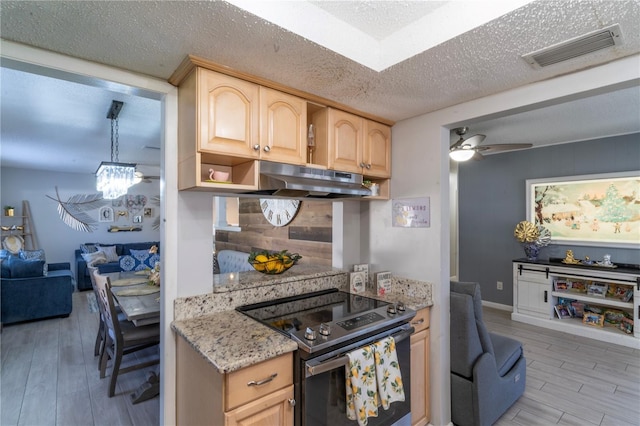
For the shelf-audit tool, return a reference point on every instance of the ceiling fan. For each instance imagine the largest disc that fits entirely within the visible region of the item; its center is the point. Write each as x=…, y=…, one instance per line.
x=140, y=177
x=465, y=149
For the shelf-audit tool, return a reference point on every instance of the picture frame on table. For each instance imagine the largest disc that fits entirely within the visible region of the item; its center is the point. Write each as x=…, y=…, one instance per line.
x=587, y=210
x=356, y=282
x=383, y=283
x=363, y=267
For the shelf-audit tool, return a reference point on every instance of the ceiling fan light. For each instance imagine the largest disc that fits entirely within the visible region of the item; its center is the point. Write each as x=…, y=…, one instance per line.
x=462, y=154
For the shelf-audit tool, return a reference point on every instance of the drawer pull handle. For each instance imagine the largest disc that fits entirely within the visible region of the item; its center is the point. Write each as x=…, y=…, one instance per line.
x=263, y=381
x=420, y=321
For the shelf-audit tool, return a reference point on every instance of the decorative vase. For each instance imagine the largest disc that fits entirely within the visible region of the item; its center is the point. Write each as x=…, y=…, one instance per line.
x=8, y=212
x=531, y=250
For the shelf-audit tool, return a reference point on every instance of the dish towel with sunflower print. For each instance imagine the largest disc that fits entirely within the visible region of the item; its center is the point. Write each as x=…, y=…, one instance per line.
x=388, y=374
x=362, y=396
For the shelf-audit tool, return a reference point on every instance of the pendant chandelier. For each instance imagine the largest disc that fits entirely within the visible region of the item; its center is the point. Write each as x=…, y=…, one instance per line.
x=113, y=178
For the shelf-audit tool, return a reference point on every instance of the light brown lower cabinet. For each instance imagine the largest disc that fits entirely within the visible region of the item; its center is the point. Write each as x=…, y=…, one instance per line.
x=420, y=369
x=273, y=409
x=256, y=395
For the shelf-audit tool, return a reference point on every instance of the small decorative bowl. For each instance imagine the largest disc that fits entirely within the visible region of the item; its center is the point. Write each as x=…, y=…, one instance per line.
x=273, y=263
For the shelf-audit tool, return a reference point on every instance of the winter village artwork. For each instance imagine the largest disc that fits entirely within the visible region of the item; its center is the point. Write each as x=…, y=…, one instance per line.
x=593, y=210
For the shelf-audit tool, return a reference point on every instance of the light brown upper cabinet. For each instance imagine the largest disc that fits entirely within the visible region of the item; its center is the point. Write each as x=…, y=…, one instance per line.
x=283, y=123
x=349, y=143
x=243, y=119
x=228, y=111
x=376, y=152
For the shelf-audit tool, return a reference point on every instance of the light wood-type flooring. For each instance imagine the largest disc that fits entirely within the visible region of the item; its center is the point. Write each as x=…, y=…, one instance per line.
x=49, y=376
x=571, y=380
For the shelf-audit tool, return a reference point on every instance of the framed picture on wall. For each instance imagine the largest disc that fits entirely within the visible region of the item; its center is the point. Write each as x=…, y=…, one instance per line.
x=590, y=210
x=105, y=214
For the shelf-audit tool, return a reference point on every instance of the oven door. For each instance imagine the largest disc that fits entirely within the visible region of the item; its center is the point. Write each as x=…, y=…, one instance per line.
x=322, y=385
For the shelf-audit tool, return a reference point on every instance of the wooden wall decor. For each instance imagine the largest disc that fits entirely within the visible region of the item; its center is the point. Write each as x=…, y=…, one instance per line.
x=309, y=234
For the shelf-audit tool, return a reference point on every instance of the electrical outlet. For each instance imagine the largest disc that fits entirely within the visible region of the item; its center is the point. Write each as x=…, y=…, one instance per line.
x=499, y=285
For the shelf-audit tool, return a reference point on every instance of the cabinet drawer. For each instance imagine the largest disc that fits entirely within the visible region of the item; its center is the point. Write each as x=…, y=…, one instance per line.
x=258, y=380
x=421, y=320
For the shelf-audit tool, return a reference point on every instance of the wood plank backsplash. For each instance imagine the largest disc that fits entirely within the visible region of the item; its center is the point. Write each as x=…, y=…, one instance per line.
x=308, y=234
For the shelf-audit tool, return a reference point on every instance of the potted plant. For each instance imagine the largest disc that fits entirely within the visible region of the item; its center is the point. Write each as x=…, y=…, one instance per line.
x=9, y=210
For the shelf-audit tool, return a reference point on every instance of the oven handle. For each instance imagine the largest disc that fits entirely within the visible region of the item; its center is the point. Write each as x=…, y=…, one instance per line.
x=343, y=360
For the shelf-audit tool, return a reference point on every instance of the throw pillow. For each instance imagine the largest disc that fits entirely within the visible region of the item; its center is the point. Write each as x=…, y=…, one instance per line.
x=32, y=255
x=127, y=263
x=95, y=258
x=88, y=248
x=140, y=261
x=35, y=255
x=141, y=255
x=4, y=254
x=110, y=252
x=25, y=268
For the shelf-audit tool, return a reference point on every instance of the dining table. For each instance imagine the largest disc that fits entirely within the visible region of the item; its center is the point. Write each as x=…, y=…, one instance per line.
x=140, y=303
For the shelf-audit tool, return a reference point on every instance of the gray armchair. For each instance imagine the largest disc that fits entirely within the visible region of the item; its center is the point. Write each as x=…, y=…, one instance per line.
x=488, y=371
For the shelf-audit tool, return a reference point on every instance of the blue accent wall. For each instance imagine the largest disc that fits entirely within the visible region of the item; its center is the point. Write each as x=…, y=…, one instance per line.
x=492, y=200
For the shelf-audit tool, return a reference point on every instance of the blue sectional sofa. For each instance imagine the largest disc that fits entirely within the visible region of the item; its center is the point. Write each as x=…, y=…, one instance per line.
x=82, y=273
x=36, y=297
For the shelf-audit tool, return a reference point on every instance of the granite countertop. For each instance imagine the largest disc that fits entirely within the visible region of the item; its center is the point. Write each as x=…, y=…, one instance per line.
x=230, y=340
x=234, y=281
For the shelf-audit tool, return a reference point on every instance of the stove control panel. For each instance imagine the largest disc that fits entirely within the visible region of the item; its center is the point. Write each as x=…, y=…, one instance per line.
x=359, y=321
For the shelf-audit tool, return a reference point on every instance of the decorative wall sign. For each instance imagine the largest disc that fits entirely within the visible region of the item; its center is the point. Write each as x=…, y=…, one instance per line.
x=589, y=210
x=411, y=213
x=105, y=214
x=148, y=212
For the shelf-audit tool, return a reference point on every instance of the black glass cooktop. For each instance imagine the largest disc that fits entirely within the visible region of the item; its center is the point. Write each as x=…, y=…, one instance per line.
x=344, y=315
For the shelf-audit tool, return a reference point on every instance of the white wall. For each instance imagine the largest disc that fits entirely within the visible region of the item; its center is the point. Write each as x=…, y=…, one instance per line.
x=421, y=168
x=56, y=238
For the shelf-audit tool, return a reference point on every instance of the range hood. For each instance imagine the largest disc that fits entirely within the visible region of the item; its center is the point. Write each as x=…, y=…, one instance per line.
x=291, y=181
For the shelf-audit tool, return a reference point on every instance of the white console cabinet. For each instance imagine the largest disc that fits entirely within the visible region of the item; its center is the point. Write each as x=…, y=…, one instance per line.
x=601, y=293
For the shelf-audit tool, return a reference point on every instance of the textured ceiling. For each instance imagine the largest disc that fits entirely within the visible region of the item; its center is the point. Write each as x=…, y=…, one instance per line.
x=153, y=37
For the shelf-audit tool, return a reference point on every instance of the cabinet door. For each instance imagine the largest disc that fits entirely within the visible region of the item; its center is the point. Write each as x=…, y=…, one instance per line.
x=420, y=378
x=274, y=409
x=534, y=296
x=228, y=115
x=345, y=141
x=377, y=150
x=283, y=121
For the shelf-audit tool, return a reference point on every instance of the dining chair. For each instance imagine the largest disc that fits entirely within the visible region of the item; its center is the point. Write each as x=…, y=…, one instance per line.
x=122, y=337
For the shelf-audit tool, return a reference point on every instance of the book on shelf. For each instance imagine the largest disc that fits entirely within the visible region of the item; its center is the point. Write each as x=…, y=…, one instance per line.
x=562, y=311
x=597, y=289
x=561, y=285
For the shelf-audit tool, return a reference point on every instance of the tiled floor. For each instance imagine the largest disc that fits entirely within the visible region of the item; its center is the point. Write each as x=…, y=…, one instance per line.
x=50, y=377
x=571, y=380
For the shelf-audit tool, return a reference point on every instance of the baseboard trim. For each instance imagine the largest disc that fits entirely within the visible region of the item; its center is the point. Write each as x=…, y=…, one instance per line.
x=498, y=306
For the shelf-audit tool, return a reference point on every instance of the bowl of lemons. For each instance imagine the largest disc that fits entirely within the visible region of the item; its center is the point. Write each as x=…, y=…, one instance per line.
x=273, y=262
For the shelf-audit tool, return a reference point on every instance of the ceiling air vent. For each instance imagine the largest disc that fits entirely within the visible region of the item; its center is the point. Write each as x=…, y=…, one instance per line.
x=578, y=46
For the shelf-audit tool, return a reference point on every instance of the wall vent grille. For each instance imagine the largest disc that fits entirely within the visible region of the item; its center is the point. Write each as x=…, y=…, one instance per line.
x=578, y=46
